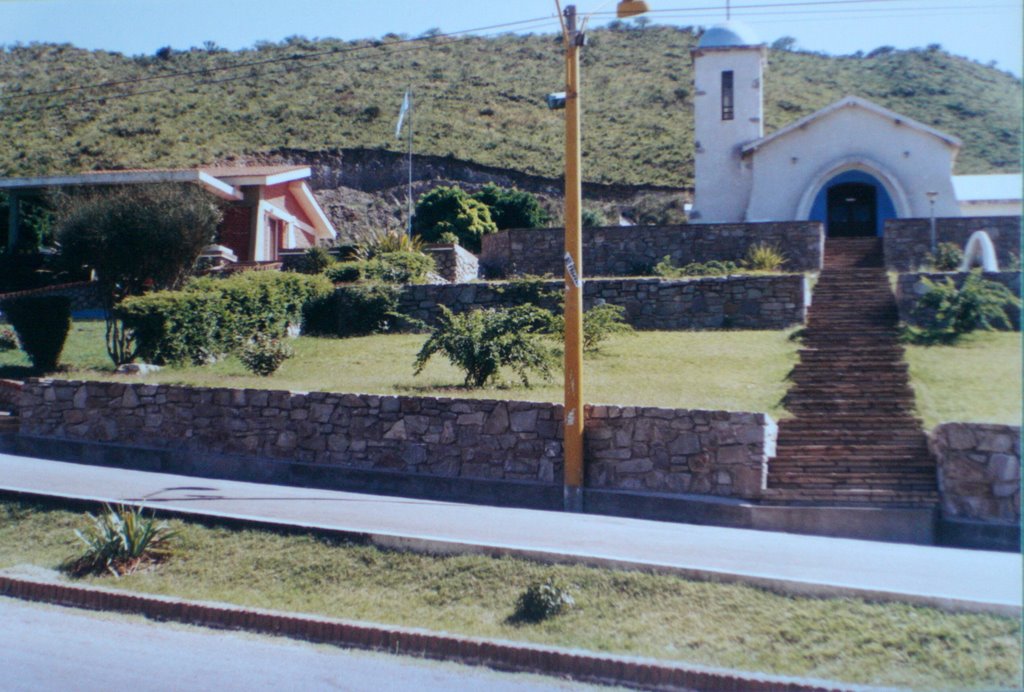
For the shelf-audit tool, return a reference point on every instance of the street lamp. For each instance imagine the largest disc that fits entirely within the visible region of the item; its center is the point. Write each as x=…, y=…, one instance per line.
x=931, y=224
x=573, y=389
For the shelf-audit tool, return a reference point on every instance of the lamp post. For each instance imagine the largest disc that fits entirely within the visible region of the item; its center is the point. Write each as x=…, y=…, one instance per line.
x=931, y=219
x=573, y=39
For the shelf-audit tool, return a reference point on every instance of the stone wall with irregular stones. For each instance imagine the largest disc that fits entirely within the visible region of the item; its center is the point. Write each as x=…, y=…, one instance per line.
x=907, y=242
x=634, y=250
x=84, y=295
x=740, y=302
x=629, y=448
x=910, y=288
x=979, y=471
x=454, y=263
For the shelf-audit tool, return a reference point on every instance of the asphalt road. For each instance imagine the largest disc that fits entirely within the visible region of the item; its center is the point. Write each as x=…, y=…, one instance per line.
x=53, y=648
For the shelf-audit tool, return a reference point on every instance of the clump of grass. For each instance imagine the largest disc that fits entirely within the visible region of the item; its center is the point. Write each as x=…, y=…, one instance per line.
x=120, y=541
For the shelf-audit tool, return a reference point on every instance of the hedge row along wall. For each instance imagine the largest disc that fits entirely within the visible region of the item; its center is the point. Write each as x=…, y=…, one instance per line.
x=634, y=250
x=740, y=302
x=628, y=448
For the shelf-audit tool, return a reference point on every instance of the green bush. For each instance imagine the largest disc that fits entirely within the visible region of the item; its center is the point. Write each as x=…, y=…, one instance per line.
x=399, y=267
x=542, y=600
x=390, y=241
x=667, y=270
x=120, y=541
x=947, y=257
x=213, y=316
x=512, y=208
x=451, y=210
x=592, y=217
x=480, y=342
x=316, y=260
x=174, y=327
x=8, y=341
x=949, y=312
x=263, y=355
x=600, y=322
x=764, y=257
x=362, y=309
x=42, y=324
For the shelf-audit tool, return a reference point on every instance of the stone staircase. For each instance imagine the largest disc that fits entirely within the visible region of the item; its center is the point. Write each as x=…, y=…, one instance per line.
x=854, y=439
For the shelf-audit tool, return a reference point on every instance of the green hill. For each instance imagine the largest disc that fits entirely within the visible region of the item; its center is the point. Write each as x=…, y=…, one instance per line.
x=477, y=99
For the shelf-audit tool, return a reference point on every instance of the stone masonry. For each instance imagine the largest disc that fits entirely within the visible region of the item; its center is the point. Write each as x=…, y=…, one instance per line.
x=979, y=471
x=454, y=263
x=634, y=250
x=630, y=448
x=908, y=241
x=740, y=302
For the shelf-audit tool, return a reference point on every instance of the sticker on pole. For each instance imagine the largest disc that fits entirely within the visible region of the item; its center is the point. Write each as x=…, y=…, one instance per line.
x=570, y=267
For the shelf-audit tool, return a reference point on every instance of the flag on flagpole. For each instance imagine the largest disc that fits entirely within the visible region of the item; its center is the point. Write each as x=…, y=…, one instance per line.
x=401, y=115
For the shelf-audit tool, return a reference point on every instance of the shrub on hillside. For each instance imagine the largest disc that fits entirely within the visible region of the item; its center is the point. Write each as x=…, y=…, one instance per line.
x=949, y=312
x=451, y=210
x=42, y=324
x=263, y=355
x=947, y=257
x=480, y=342
x=512, y=208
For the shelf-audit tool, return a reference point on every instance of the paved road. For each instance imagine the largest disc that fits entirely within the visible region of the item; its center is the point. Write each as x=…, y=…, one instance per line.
x=53, y=648
x=969, y=579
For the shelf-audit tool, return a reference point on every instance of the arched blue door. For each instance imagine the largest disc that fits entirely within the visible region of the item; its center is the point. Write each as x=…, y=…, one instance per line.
x=853, y=203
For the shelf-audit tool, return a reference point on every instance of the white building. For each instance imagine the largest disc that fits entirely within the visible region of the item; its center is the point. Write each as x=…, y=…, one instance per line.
x=852, y=164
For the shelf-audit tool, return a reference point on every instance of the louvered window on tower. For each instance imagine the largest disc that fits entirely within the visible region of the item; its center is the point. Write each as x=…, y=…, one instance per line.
x=727, y=95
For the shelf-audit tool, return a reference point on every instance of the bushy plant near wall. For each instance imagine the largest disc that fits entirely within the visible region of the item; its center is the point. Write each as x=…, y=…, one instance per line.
x=948, y=312
x=215, y=316
x=355, y=310
x=42, y=324
x=399, y=267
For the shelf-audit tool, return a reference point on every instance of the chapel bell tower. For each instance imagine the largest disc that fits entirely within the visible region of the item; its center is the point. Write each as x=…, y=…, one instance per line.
x=728, y=65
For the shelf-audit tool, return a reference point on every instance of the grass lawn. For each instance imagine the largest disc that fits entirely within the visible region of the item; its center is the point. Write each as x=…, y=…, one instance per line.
x=977, y=380
x=621, y=612
x=740, y=371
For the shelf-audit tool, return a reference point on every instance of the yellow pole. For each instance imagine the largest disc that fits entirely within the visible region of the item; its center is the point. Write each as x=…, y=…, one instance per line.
x=573, y=440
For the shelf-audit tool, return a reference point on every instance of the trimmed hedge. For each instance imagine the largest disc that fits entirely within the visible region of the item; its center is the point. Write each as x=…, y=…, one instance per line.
x=388, y=267
x=211, y=317
x=355, y=310
x=42, y=324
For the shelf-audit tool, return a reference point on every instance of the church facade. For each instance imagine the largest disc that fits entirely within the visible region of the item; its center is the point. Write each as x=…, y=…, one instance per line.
x=851, y=165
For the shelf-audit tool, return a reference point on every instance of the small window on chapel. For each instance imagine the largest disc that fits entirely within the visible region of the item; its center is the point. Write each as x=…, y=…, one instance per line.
x=727, y=95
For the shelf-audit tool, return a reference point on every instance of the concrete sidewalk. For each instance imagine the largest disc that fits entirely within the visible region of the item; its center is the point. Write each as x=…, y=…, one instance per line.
x=948, y=578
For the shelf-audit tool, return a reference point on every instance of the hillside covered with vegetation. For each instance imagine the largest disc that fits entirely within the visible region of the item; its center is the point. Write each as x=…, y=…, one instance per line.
x=477, y=99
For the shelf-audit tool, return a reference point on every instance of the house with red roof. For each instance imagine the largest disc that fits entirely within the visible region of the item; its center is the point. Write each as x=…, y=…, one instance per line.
x=269, y=208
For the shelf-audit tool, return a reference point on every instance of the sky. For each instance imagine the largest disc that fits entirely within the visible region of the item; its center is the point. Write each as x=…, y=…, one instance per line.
x=983, y=30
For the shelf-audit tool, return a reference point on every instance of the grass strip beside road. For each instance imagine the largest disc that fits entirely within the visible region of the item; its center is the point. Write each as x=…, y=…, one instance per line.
x=620, y=612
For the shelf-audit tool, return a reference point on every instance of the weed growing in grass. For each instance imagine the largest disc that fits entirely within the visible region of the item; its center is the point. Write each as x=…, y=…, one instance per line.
x=120, y=541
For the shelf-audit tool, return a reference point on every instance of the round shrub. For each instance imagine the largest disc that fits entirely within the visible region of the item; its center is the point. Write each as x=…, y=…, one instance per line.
x=263, y=355
x=42, y=324
x=543, y=600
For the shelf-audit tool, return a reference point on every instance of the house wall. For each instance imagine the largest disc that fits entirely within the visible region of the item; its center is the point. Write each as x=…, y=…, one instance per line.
x=628, y=448
x=634, y=250
x=907, y=241
x=738, y=302
x=788, y=172
x=995, y=208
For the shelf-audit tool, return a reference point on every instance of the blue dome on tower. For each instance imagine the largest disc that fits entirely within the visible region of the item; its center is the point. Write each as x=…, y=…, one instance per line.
x=729, y=35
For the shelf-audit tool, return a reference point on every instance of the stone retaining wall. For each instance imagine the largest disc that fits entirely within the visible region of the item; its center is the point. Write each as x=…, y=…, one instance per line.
x=910, y=288
x=84, y=295
x=629, y=448
x=739, y=302
x=979, y=471
x=908, y=241
x=454, y=263
x=634, y=250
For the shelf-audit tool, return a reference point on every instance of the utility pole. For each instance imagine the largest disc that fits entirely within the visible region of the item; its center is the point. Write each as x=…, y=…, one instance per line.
x=573, y=439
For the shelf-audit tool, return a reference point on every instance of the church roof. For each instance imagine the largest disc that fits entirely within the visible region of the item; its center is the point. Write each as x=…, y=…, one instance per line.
x=852, y=102
x=728, y=34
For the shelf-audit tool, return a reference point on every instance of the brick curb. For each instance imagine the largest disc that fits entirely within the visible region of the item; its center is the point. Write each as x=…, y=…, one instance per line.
x=641, y=673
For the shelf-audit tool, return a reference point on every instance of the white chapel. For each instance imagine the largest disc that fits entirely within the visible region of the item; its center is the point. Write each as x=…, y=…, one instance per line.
x=851, y=165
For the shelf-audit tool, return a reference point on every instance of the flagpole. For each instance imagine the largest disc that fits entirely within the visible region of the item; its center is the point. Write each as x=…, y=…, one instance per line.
x=410, y=162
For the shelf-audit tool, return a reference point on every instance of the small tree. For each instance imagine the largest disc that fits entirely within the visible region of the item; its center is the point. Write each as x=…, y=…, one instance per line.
x=42, y=324
x=136, y=238
x=512, y=208
x=451, y=210
x=482, y=341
